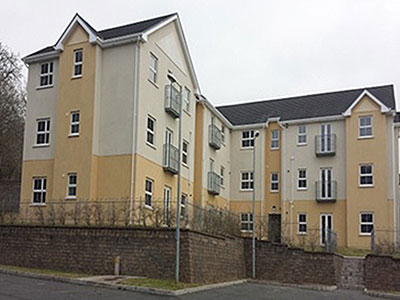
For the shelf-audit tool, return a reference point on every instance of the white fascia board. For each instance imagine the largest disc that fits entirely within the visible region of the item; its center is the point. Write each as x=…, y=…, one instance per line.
x=75, y=21
x=184, y=44
x=314, y=120
x=250, y=126
x=119, y=40
x=41, y=57
x=215, y=111
x=384, y=108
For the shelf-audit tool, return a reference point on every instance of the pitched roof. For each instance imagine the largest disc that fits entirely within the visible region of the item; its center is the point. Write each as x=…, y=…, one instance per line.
x=303, y=107
x=129, y=29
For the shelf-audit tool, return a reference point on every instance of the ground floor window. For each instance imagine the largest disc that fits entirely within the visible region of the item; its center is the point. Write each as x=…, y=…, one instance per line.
x=39, y=190
x=72, y=183
x=148, y=193
x=366, y=223
x=246, y=221
x=302, y=223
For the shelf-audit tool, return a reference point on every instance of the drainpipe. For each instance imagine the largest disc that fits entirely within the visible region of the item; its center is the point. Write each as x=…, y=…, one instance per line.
x=135, y=125
x=395, y=175
x=291, y=199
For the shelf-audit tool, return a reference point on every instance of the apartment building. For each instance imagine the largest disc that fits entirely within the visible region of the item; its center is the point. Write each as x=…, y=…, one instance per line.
x=103, y=116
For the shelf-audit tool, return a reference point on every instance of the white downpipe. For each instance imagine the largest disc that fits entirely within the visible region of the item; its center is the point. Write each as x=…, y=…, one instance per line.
x=291, y=198
x=395, y=175
x=135, y=127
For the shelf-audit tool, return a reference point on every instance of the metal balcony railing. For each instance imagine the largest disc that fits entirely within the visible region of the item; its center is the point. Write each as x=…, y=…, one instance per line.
x=325, y=145
x=325, y=191
x=214, y=183
x=172, y=101
x=171, y=158
x=214, y=137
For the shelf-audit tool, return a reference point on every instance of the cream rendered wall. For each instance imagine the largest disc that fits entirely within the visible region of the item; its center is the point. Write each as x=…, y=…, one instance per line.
x=42, y=103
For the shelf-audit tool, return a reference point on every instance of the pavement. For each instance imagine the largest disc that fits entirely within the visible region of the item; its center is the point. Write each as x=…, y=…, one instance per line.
x=14, y=287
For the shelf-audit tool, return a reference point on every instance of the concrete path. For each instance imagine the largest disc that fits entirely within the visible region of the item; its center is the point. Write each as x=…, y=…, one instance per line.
x=22, y=288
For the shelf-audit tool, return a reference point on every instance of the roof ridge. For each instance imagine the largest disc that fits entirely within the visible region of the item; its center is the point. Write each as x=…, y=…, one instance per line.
x=304, y=96
x=136, y=23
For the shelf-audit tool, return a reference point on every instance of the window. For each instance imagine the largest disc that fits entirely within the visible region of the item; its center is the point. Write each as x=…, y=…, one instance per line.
x=302, y=179
x=185, y=149
x=274, y=139
x=302, y=135
x=78, y=61
x=148, y=193
x=365, y=126
x=366, y=223
x=248, y=139
x=366, y=175
x=39, y=190
x=43, y=132
x=186, y=100
x=301, y=223
x=72, y=182
x=150, y=130
x=274, y=182
x=74, y=131
x=46, y=74
x=222, y=174
x=246, y=181
x=246, y=221
x=223, y=134
x=183, y=205
x=153, y=68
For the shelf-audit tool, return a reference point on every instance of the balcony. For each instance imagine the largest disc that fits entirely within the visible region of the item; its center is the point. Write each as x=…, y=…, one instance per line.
x=214, y=183
x=214, y=137
x=325, y=191
x=325, y=145
x=171, y=159
x=172, y=101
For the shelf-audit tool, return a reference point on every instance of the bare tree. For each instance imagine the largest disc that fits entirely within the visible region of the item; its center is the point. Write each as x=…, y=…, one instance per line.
x=12, y=114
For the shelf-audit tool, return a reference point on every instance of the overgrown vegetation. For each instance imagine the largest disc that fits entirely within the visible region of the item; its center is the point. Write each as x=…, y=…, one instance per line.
x=44, y=271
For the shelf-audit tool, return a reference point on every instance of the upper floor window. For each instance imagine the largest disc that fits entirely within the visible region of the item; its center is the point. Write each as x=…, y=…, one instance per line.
x=39, y=190
x=153, y=67
x=246, y=221
x=186, y=100
x=222, y=176
x=75, y=117
x=302, y=179
x=151, y=124
x=46, y=74
x=302, y=135
x=223, y=133
x=78, y=61
x=274, y=182
x=302, y=223
x=246, y=181
x=365, y=126
x=72, y=184
x=43, y=132
x=274, y=139
x=148, y=193
x=366, y=175
x=248, y=139
x=185, y=150
x=366, y=223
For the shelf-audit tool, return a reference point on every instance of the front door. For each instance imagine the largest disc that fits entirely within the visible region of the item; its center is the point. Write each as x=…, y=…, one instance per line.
x=326, y=131
x=274, y=228
x=326, y=226
x=326, y=183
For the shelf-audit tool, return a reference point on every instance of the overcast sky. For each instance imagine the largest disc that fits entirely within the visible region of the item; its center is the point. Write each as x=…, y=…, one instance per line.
x=244, y=50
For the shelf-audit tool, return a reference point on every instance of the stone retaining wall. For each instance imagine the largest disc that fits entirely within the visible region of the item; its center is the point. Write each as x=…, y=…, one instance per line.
x=382, y=273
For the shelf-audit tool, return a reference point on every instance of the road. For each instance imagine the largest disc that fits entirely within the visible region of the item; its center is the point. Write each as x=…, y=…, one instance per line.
x=22, y=288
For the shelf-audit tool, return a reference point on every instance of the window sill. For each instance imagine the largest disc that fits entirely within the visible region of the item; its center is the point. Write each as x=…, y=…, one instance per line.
x=246, y=148
x=274, y=149
x=37, y=204
x=41, y=146
x=187, y=112
x=245, y=190
x=43, y=87
x=148, y=207
x=364, y=234
x=302, y=145
x=274, y=192
x=70, y=198
x=151, y=145
x=302, y=189
x=302, y=233
x=185, y=165
x=153, y=83
x=366, y=186
x=73, y=135
x=76, y=77
x=365, y=137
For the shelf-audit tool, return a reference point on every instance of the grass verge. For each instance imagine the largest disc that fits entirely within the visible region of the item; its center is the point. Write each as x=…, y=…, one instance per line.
x=353, y=252
x=164, y=284
x=44, y=271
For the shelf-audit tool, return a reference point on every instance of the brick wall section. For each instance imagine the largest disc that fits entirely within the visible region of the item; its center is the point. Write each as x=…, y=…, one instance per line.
x=382, y=273
x=275, y=262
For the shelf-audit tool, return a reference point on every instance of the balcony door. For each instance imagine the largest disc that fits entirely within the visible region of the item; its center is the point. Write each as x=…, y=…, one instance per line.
x=326, y=138
x=326, y=226
x=326, y=183
x=168, y=137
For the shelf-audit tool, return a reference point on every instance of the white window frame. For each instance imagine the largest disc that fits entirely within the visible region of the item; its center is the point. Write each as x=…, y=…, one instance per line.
x=366, y=175
x=185, y=154
x=301, y=134
x=301, y=179
x=249, y=139
x=222, y=176
x=274, y=182
x=360, y=127
x=249, y=181
x=151, y=131
x=41, y=191
x=75, y=123
x=183, y=203
x=45, y=132
x=300, y=223
x=223, y=134
x=153, y=70
x=366, y=223
x=72, y=185
x=148, y=193
x=274, y=140
x=78, y=63
x=248, y=221
x=186, y=100
x=48, y=75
